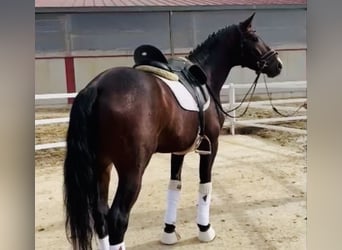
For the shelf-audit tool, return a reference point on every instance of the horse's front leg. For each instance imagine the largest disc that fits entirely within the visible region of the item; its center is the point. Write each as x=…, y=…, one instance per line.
x=206, y=231
x=169, y=235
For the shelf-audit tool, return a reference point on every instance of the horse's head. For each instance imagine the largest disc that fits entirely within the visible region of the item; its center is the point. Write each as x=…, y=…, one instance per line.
x=255, y=53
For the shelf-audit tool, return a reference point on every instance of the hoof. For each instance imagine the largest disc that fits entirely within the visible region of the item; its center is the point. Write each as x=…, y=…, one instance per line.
x=170, y=238
x=207, y=236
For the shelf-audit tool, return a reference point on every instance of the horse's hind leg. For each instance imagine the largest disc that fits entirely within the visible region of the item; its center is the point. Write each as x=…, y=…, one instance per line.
x=126, y=195
x=169, y=235
x=130, y=171
x=101, y=209
x=206, y=231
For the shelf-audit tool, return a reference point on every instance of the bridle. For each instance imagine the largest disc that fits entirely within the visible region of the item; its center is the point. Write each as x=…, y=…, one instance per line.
x=262, y=62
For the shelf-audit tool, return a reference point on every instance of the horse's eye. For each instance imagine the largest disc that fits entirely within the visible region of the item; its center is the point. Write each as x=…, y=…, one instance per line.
x=255, y=39
x=251, y=37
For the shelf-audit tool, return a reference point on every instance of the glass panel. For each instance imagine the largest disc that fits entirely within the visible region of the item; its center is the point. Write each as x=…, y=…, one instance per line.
x=50, y=33
x=119, y=31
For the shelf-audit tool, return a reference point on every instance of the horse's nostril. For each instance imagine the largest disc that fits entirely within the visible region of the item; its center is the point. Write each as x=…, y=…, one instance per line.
x=280, y=66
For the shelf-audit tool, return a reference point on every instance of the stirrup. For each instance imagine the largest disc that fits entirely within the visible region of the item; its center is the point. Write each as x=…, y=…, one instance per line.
x=207, y=144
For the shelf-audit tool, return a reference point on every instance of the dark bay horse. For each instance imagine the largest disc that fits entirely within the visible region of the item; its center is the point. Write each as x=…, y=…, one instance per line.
x=124, y=116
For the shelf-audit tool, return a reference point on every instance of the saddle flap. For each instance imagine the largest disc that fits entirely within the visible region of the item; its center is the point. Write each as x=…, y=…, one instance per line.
x=197, y=72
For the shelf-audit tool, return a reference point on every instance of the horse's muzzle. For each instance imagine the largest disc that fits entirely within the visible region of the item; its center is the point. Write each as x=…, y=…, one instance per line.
x=274, y=67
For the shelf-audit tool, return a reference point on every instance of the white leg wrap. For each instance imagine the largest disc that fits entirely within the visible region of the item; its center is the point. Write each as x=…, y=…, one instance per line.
x=203, y=209
x=120, y=246
x=173, y=196
x=204, y=199
x=104, y=243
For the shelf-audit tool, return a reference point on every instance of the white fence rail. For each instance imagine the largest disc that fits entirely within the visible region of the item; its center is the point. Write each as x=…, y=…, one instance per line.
x=230, y=122
x=233, y=122
x=50, y=145
x=51, y=121
x=54, y=96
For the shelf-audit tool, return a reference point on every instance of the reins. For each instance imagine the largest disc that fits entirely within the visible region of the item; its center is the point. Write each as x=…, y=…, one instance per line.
x=275, y=109
x=252, y=90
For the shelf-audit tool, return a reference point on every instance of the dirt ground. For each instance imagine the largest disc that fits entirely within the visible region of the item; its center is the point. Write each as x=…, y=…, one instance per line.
x=259, y=193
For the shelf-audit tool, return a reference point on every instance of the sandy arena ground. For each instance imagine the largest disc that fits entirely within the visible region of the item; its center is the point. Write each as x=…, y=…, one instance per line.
x=259, y=196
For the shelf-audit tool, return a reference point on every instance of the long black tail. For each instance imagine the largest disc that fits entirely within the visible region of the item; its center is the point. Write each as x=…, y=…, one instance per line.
x=80, y=192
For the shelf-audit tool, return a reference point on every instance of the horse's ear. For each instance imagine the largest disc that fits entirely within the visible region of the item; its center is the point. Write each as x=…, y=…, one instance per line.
x=247, y=24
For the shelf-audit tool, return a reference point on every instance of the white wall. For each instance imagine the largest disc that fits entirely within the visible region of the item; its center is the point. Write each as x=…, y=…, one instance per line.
x=87, y=68
x=50, y=78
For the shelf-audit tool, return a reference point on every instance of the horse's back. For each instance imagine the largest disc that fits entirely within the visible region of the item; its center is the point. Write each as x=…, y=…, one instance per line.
x=121, y=79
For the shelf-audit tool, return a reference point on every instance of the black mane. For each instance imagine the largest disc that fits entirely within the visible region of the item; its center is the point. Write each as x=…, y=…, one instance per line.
x=202, y=51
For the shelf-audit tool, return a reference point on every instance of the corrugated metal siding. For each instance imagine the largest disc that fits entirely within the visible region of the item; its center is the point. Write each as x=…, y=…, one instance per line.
x=127, y=3
x=286, y=30
x=121, y=33
x=50, y=33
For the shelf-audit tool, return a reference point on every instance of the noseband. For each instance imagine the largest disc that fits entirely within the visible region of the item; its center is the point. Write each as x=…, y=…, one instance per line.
x=264, y=60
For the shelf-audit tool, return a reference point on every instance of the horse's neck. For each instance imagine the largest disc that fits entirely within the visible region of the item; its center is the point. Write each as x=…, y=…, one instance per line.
x=218, y=71
x=217, y=77
x=219, y=62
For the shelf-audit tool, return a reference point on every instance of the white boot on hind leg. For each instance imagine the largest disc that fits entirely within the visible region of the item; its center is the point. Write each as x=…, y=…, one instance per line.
x=104, y=243
x=208, y=235
x=120, y=246
x=170, y=238
x=203, y=211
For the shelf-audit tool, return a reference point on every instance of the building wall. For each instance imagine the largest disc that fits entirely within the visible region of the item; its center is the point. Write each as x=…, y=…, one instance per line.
x=294, y=69
x=98, y=41
x=87, y=68
x=50, y=76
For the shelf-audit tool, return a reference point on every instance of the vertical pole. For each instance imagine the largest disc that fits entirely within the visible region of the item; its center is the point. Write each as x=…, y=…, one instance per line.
x=67, y=34
x=194, y=30
x=69, y=59
x=172, y=49
x=231, y=106
x=70, y=76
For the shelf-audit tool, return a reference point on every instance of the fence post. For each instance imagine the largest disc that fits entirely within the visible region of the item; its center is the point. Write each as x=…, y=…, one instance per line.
x=231, y=106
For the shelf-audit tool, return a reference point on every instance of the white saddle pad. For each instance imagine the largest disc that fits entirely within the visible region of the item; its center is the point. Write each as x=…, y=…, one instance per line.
x=183, y=96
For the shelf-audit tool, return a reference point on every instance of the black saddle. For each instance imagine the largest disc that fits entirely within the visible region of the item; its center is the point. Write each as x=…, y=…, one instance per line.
x=150, y=55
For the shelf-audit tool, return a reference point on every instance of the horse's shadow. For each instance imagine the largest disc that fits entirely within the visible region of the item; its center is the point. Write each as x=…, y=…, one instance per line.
x=155, y=244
